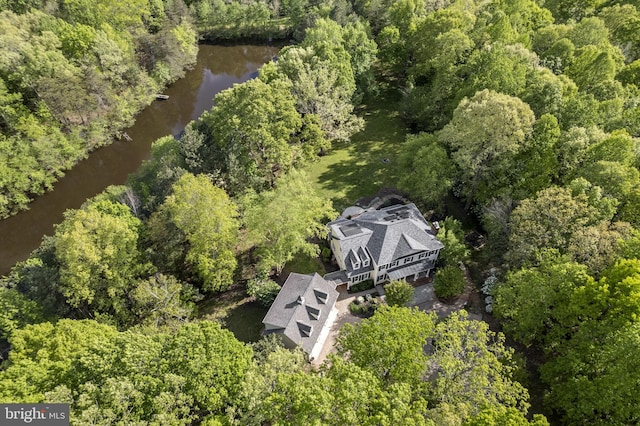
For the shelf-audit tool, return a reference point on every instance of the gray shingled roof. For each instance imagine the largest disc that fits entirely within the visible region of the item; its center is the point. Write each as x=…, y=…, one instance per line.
x=394, y=232
x=340, y=277
x=301, y=308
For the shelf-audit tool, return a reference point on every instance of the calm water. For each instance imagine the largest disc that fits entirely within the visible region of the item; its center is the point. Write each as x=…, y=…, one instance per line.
x=218, y=68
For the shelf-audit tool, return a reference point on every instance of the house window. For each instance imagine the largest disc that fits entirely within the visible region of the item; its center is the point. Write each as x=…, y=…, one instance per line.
x=359, y=278
x=408, y=259
x=382, y=267
x=365, y=262
x=393, y=264
x=422, y=255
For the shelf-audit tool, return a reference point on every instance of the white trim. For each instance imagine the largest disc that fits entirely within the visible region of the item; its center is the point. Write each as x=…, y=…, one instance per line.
x=324, y=333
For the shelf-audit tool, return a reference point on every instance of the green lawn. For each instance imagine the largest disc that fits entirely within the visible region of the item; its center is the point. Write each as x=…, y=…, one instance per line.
x=245, y=321
x=304, y=264
x=368, y=162
x=236, y=311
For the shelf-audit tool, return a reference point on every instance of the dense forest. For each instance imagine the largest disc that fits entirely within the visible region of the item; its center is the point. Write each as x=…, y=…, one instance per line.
x=72, y=75
x=527, y=112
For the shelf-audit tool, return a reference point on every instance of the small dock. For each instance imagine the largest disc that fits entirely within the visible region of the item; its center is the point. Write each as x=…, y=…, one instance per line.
x=162, y=97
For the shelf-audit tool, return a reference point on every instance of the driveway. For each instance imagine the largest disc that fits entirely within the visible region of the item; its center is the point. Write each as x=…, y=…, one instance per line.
x=343, y=317
x=424, y=299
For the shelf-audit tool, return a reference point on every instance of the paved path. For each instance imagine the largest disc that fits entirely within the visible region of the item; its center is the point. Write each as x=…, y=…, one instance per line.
x=425, y=299
x=344, y=316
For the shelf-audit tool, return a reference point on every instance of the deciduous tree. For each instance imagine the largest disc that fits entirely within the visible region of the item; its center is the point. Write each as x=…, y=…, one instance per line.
x=389, y=344
x=427, y=171
x=97, y=248
x=472, y=367
x=281, y=221
x=486, y=132
x=398, y=293
x=449, y=282
x=251, y=130
x=208, y=219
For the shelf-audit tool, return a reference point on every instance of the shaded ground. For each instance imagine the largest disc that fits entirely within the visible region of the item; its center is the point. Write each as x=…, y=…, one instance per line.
x=245, y=321
x=236, y=311
x=303, y=264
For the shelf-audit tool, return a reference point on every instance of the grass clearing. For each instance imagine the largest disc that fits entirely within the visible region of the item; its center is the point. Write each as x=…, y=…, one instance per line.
x=245, y=321
x=304, y=264
x=361, y=167
x=236, y=312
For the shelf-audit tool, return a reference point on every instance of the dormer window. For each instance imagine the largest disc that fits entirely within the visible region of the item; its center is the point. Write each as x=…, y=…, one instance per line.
x=321, y=296
x=364, y=256
x=355, y=260
x=314, y=313
x=305, y=329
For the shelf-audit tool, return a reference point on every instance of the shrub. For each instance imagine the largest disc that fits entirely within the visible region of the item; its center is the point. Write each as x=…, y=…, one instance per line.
x=362, y=306
x=358, y=308
x=449, y=282
x=326, y=254
x=264, y=290
x=398, y=293
x=361, y=286
x=452, y=236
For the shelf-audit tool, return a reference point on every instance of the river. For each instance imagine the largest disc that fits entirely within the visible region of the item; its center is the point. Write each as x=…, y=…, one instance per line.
x=218, y=68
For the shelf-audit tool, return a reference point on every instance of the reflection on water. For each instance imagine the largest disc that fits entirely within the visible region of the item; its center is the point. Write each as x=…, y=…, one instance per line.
x=218, y=68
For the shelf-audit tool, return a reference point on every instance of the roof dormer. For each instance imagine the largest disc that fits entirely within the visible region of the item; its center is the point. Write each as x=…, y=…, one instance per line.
x=321, y=296
x=314, y=313
x=305, y=329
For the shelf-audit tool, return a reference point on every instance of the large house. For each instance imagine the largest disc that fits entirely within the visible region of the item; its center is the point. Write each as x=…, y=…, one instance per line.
x=390, y=243
x=303, y=312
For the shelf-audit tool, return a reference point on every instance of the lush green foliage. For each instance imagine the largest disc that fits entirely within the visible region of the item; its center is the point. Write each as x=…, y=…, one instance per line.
x=398, y=293
x=16, y=311
x=251, y=128
x=533, y=302
x=449, y=282
x=72, y=79
x=281, y=221
x=263, y=289
x=533, y=121
x=97, y=248
x=473, y=366
x=427, y=170
x=207, y=218
x=129, y=377
x=452, y=236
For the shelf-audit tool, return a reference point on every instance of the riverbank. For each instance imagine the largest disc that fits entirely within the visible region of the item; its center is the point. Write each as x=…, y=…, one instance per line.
x=217, y=68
